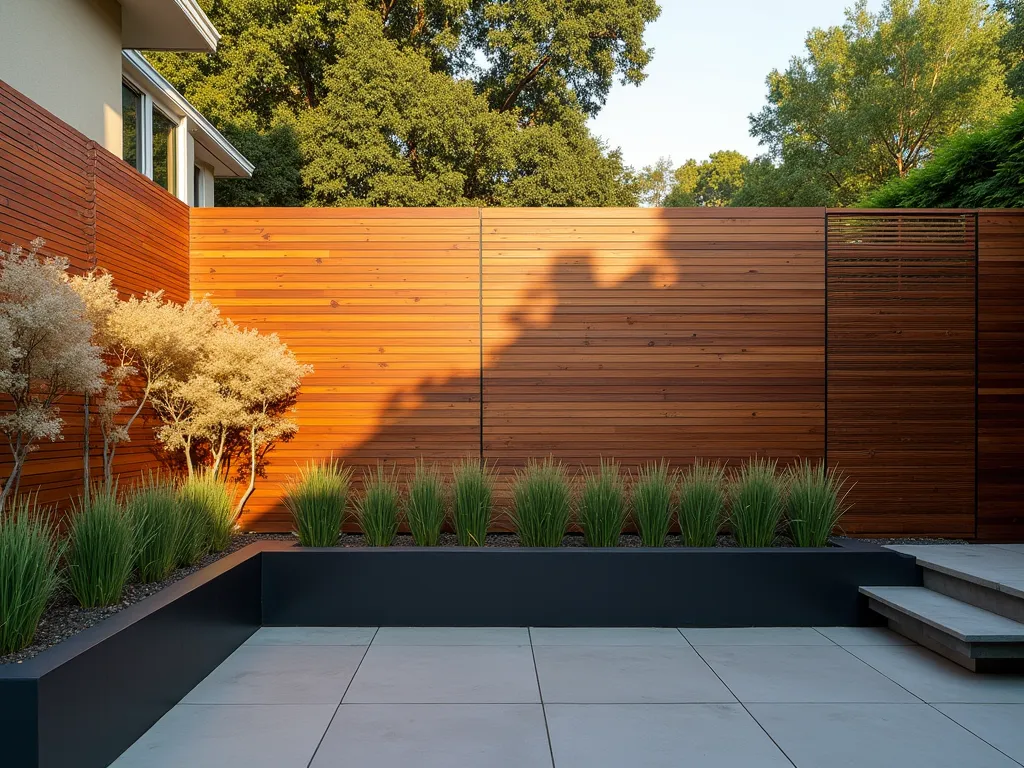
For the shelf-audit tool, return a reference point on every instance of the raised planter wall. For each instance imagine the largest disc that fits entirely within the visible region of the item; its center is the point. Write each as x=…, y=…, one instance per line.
x=83, y=702
x=576, y=587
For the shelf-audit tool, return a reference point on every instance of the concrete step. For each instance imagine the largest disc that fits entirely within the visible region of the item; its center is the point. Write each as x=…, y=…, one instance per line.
x=990, y=577
x=971, y=636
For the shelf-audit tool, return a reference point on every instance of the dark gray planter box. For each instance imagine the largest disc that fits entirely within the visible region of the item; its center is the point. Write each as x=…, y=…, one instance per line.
x=80, y=704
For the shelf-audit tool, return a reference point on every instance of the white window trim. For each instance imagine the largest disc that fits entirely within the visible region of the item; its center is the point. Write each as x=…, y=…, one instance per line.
x=182, y=179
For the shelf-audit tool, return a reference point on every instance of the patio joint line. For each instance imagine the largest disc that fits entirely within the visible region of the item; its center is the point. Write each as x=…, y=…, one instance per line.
x=742, y=704
x=342, y=700
x=540, y=694
x=930, y=704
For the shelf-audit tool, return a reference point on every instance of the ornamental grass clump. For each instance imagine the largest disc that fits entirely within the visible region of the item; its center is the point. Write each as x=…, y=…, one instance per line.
x=541, y=503
x=193, y=528
x=815, y=502
x=702, y=492
x=379, y=507
x=101, y=549
x=29, y=558
x=317, y=500
x=210, y=499
x=602, y=505
x=472, y=499
x=756, y=503
x=651, y=503
x=424, y=506
x=156, y=520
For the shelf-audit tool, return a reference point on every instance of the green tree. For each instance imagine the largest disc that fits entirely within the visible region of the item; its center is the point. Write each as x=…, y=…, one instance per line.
x=654, y=182
x=714, y=182
x=872, y=99
x=1011, y=45
x=391, y=131
x=279, y=82
x=979, y=169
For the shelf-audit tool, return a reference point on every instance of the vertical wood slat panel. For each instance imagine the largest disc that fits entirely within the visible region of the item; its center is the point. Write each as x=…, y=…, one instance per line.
x=901, y=369
x=92, y=209
x=1001, y=375
x=384, y=303
x=643, y=334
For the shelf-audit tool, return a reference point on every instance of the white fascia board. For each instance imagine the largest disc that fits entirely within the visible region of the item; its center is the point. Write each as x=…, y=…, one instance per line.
x=167, y=25
x=143, y=74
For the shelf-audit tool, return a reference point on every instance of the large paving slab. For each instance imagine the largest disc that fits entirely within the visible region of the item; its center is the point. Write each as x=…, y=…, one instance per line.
x=827, y=735
x=1001, y=725
x=436, y=736
x=605, y=636
x=846, y=636
x=452, y=636
x=963, y=621
x=935, y=679
x=626, y=674
x=219, y=736
x=755, y=636
x=807, y=673
x=466, y=674
x=312, y=636
x=280, y=674
x=659, y=736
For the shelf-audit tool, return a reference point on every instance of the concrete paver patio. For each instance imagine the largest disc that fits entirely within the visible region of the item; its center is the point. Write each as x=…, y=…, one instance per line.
x=834, y=697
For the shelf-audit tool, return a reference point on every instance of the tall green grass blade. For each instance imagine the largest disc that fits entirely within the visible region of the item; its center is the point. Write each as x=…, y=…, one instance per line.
x=211, y=499
x=757, y=502
x=317, y=499
x=702, y=493
x=425, y=505
x=602, y=505
x=541, y=503
x=380, y=506
x=29, y=560
x=472, y=501
x=651, y=503
x=815, y=503
x=101, y=552
x=156, y=520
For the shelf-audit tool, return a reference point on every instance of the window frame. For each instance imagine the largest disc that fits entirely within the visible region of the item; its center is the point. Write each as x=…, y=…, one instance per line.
x=179, y=166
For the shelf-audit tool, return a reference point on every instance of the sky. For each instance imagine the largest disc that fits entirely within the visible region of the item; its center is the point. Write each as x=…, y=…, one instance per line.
x=711, y=59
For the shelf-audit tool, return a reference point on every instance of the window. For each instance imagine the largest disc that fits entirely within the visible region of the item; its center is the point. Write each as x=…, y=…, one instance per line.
x=131, y=132
x=164, y=155
x=197, y=186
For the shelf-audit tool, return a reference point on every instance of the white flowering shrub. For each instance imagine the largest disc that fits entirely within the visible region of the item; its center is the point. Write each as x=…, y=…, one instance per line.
x=235, y=401
x=46, y=352
x=150, y=344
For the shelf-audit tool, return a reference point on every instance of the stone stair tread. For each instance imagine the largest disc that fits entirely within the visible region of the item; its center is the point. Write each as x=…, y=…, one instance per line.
x=960, y=620
x=998, y=567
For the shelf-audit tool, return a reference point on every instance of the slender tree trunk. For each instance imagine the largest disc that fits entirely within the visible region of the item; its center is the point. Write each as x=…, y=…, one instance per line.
x=252, y=474
x=188, y=458
x=108, y=469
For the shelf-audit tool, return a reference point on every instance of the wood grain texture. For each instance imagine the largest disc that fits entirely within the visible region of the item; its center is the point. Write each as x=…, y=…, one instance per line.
x=94, y=210
x=384, y=303
x=1001, y=375
x=901, y=367
x=643, y=334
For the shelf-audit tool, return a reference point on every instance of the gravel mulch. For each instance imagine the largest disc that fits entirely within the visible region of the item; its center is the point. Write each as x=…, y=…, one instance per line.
x=512, y=540
x=913, y=540
x=65, y=618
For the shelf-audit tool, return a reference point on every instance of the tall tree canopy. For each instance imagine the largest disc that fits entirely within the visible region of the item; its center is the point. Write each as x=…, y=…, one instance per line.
x=418, y=102
x=872, y=99
x=980, y=169
x=714, y=182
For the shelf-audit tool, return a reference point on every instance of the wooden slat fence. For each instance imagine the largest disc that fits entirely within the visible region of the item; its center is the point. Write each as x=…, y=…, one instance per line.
x=890, y=342
x=94, y=210
x=901, y=362
x=1001, y=375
